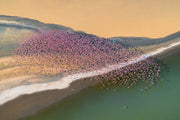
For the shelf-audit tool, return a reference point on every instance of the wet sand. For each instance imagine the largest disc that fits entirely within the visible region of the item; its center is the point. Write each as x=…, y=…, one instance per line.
x=26, y=105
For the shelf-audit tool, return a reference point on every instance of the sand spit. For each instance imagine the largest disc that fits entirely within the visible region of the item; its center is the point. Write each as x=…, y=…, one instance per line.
x=12, y=93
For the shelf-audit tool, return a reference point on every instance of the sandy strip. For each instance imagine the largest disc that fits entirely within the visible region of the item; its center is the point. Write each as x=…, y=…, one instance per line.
x=12, y=93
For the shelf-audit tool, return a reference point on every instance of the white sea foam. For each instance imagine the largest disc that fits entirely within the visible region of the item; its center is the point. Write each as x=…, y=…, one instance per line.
x=8, y=22
x=16, y=23
x=12, y=93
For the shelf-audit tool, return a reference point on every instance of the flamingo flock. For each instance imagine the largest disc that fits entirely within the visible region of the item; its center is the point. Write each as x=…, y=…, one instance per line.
x=72, y=52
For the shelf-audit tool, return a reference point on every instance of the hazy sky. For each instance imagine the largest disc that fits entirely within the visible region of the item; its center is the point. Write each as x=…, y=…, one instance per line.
x=105, y=18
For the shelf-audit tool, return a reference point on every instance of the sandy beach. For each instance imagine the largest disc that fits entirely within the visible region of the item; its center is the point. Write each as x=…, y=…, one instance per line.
x=38, y=99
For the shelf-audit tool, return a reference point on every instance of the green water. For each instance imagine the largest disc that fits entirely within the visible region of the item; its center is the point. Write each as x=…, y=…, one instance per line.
x=162, y=102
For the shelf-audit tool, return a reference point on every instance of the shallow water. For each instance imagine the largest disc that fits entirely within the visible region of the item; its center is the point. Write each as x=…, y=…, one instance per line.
x=159, y=103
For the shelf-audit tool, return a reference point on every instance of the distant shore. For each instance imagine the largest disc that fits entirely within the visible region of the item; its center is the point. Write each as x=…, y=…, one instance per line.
x=30, y=104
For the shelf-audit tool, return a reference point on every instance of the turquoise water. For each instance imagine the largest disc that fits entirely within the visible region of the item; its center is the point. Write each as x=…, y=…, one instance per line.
x=161, y=102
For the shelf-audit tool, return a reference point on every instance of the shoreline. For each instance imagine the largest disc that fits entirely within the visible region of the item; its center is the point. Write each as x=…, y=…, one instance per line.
x=20, y=106
x=12, y=93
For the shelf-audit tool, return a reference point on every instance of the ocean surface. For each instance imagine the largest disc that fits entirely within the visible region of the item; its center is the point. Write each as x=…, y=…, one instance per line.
x=162, y=102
